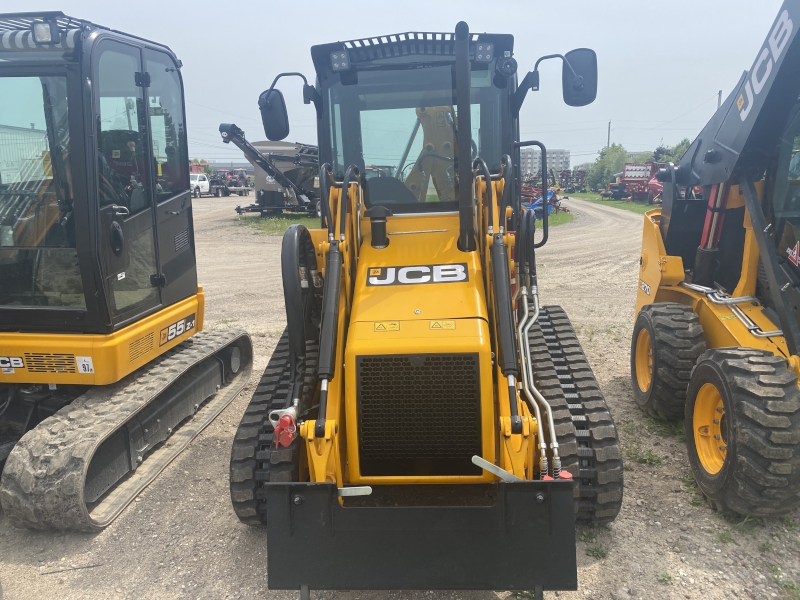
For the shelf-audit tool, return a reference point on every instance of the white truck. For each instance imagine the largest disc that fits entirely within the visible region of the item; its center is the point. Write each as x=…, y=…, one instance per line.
x=200, y=184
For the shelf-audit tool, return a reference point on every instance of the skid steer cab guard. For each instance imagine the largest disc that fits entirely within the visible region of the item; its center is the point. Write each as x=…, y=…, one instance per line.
x=524, y=541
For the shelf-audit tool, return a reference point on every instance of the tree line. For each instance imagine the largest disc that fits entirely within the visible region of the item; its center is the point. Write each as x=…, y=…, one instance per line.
x=612, y=159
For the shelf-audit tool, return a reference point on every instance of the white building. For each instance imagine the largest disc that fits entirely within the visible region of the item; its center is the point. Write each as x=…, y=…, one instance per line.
x=22, y=153
x=531, y=160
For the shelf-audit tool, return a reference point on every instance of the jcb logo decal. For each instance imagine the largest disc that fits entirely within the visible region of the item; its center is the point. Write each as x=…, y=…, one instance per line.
x=176, y=330
x=11, y=362
x=452, y=273
x=762, y=69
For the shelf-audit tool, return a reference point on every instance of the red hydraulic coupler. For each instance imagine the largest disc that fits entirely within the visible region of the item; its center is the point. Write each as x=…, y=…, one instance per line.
x=285, y=431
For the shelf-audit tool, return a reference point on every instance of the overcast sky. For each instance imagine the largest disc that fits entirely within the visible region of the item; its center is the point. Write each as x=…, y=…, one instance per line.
x=660, y=64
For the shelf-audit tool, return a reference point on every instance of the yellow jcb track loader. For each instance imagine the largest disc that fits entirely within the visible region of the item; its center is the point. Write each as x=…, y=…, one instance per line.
x=423, y=423
x=716, y=337
x=101, y=355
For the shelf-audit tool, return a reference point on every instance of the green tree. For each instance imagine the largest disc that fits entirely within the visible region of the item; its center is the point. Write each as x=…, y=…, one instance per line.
x=612, y=159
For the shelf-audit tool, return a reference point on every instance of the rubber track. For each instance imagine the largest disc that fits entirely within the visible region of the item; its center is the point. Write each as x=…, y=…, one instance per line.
x=766, y=403
x=254, y=460
x=43, y=480
x=678, y=343
x=599, y=470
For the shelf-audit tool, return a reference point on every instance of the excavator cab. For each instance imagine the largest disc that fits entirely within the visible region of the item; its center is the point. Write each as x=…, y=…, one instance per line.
x=98, y=272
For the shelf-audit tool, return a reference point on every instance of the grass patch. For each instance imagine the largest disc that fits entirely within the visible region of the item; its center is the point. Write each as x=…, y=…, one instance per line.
x=639, y=207
x=588, y=537
x=635, y=454
x=557, y=218
x=277, y=225
x=693, y=491
x=598, y=551
x=765, y=548
x=665, y=578
x=725, y=537
x=659, y=426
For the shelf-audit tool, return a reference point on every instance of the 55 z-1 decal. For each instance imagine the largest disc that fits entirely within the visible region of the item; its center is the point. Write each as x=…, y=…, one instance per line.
x=451, y=273
x=176, y=330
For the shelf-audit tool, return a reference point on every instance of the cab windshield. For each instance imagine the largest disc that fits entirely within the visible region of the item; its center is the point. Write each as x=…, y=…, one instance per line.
x=786, y=199
x=38, y=261
x=398, y=124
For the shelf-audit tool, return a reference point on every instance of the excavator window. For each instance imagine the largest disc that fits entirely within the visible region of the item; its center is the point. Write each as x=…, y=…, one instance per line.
x=398, y=124
x=38, y=261
x=126, y=208
x=168, y=129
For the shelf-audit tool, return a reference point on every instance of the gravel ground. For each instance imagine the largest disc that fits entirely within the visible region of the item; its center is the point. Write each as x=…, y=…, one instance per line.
x=181, y=538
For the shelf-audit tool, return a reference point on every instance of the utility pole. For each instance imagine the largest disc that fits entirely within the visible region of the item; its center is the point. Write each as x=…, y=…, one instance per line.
x=608, y=143
x=719, y=99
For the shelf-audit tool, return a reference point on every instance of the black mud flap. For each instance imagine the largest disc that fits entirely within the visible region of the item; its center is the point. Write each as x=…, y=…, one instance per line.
x=525, y=541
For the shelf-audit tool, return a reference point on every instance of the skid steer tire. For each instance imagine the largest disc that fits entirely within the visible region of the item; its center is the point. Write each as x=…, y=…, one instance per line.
x=666, y=343
x=254, y=458
x=587, y=437
x=750, y=399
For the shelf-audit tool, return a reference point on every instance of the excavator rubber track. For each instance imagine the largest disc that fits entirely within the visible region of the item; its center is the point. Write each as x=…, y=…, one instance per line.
x=580, y=415
x=43, y=483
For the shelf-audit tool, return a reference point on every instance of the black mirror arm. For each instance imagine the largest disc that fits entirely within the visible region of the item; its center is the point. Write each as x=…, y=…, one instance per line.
x=231, y=133
x=530, y=81
x=310, y=93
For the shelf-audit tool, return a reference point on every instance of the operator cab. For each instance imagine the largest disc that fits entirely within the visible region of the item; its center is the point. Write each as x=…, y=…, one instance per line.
x=389, y=106
x=95, y=211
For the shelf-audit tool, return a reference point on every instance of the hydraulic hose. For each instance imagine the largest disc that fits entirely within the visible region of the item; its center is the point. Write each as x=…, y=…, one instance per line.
x=325, y=176
x=522, y=289
x=528, y=222
x=480, y=165
x=350, y=176
x=508, y=167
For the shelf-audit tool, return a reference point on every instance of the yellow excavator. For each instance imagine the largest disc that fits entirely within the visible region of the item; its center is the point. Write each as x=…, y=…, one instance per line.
x=716, y=339
x=424, y=423
x=105, y=373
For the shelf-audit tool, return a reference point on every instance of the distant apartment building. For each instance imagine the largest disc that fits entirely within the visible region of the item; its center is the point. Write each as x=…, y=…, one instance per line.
x=22, y=152
x=531, y=160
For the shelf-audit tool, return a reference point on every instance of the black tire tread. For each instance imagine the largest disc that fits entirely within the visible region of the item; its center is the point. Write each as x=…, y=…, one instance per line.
x=766, y=405
x=678, y=341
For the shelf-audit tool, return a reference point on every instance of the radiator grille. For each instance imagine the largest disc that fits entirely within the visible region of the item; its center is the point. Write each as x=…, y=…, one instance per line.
x=140, y=347
x=418, y=414
x=44, y=362
x=182, y=240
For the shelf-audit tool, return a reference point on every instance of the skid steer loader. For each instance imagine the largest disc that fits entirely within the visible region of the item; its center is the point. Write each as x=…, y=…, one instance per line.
x=105, y=375
x=716, y=335
x=423, y=422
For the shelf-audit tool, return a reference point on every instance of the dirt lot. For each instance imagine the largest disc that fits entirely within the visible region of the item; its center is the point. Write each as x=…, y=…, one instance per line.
x=181, y=539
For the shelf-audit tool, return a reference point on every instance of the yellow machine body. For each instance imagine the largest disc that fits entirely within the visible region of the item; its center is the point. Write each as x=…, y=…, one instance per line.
x=415, y=314
x=661, y=277
x=92, y=359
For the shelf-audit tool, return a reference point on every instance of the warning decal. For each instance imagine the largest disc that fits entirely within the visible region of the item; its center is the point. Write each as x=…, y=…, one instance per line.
x=387, y=326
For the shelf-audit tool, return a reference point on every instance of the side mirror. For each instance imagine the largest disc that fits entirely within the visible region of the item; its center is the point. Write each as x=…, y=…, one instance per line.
x=579, y=84
x=274, y=115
